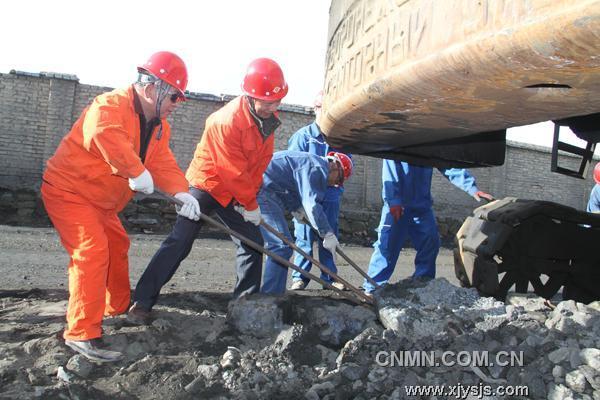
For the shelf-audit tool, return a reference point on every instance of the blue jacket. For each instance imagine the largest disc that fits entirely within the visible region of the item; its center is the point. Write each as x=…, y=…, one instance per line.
x=310, y=139
x=410, y=185
x=299, y=179
x=594, y=202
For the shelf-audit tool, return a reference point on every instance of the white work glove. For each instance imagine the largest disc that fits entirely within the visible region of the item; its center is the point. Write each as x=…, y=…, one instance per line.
x=300, y=216
x=250, y=216
x=330, y=242
x=190, y=208
x=239, y=208
x=142, y=183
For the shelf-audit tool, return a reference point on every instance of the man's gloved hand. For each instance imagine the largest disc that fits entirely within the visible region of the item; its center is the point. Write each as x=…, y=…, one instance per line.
x=330, y=242
x=238, y=208
x=479, y=195
x=252, y=216
x=190, y=208
x=142, y=183
x=397, y=212
x=300, y=216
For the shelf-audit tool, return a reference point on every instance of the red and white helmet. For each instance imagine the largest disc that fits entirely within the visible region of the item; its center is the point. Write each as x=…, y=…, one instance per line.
x=264, y=80
x=168, y=67
x=344, y=161
x=597, y=173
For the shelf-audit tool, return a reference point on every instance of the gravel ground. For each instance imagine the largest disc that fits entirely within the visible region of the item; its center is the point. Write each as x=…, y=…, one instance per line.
x=307, y=345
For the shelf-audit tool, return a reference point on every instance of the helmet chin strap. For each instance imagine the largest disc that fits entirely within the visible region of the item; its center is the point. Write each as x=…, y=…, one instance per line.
x=162, y=91
x=339, y=168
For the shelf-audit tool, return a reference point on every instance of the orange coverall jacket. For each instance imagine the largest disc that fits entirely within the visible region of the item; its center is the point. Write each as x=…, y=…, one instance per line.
x=99, y=154
x=232, y=155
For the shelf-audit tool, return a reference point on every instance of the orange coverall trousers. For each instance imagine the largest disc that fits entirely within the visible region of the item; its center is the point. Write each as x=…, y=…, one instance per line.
x=98, y=270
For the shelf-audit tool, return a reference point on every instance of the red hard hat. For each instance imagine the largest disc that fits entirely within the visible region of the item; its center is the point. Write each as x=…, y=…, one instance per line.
x=318, y=100
x=168, y=67
x=345, y=162
x=264, y=80
x=597, y=173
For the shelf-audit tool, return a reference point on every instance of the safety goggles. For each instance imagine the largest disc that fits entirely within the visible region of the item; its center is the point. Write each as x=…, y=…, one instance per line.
x=176, y=97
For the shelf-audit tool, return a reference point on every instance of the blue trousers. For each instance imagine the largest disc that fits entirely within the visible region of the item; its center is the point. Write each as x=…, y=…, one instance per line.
x=177, y=246
x=305, y=236
x=273, y=213
x=420, y=226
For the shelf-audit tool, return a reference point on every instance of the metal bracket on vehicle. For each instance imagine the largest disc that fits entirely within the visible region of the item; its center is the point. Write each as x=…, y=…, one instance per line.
x=586, y=127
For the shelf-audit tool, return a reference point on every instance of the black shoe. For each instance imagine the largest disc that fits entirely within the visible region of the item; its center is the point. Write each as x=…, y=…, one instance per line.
x=138, y=315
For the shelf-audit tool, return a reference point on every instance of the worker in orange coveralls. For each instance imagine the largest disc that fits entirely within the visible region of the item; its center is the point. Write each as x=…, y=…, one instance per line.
x=225, y=174
x=119, y=145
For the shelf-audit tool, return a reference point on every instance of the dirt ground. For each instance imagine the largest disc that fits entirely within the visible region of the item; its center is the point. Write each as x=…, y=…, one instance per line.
x=187, y=338
x=34, y=258
x=307, y=345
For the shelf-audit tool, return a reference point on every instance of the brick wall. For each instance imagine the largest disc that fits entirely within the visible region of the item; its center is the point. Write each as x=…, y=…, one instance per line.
x=23, y=127
x=37, y=110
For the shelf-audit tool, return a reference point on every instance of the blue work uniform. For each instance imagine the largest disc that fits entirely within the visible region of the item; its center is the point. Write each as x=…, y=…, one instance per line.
x=409, y=186
x=292, y=180
x=593, y=205
x=310, y=139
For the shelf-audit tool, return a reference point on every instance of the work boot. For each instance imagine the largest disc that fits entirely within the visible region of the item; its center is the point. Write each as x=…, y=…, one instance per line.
x=89, y=350
x=298, y=285
x=138, y=315
x=337, y=285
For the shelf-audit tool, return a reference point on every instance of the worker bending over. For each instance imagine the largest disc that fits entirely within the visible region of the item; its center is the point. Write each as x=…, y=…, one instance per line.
x=297, y=182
